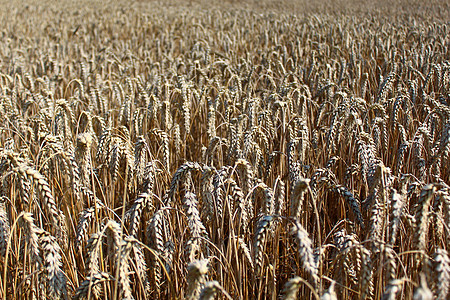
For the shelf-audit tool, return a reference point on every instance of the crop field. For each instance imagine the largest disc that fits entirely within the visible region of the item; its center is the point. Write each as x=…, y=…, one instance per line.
x=225, y=149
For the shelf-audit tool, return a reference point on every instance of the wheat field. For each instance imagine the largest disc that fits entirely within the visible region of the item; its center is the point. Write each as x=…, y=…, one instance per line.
x=224, y=150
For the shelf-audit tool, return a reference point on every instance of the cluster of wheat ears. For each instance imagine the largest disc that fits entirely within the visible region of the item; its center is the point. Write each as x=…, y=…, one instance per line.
x=169, y=152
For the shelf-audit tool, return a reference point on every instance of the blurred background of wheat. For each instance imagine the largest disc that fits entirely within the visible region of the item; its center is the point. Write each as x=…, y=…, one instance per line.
x=224, y=149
